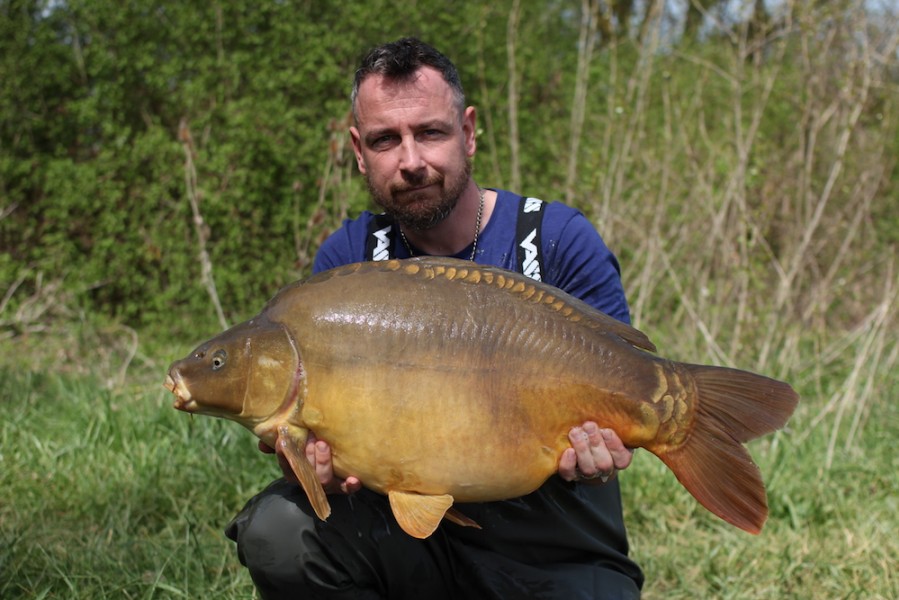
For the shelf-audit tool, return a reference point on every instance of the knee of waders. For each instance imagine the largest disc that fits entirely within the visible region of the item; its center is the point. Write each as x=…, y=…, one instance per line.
x=273, y=530
x=287, y=551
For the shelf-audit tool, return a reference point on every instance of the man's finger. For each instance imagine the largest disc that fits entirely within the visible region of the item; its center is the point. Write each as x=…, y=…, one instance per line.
x=599, y=459
x=621, y=456
x=322, y=462
x=351, y=485
x=568, y=465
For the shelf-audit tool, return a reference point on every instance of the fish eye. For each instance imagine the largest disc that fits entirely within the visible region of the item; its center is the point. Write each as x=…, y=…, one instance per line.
x=218, y=359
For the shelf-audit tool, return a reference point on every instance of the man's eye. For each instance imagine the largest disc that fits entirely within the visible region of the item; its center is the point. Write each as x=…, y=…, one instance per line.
x=382, y=141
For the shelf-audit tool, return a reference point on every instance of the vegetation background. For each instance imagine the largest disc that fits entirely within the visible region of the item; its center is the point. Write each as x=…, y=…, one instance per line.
x=166, y=166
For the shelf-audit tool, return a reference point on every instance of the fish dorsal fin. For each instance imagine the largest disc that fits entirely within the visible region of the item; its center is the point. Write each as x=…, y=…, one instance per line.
x=291, y=442
x=516, y=284
x=419, y=514
x=511, y=282
x=629, y=334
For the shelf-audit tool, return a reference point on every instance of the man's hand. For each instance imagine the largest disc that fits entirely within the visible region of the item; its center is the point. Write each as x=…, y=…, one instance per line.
x=595, y=454
x=318, y=453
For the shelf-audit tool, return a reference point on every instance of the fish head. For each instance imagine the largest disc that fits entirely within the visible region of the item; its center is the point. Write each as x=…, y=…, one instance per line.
x=244, y=374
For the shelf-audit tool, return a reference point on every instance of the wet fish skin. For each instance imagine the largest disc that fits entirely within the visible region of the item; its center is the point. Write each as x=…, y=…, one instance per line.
x=430, y=377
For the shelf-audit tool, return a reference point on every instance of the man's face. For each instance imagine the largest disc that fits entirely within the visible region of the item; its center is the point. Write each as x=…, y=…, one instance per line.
x=413, y=146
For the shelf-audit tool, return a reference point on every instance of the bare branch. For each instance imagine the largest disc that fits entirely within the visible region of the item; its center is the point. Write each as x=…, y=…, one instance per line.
x=202, y=231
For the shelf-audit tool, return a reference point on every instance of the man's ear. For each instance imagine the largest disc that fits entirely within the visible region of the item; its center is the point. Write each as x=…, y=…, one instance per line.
x=356, y=138
x=469, y=123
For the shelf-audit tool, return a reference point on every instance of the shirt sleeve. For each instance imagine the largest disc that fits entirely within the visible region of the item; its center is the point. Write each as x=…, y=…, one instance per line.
x=344, y=246
x=582, y=265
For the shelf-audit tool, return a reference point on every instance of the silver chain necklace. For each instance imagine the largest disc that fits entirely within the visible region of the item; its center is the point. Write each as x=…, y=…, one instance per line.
x=477, y=229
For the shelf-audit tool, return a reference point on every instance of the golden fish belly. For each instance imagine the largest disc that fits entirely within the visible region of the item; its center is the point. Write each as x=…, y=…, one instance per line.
x=442, y=436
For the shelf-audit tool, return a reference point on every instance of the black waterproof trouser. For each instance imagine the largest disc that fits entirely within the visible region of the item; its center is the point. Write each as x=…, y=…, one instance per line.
x=361, y=553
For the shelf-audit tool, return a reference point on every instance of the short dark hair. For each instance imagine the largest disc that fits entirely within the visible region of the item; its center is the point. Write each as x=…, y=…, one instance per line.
x=401, y=60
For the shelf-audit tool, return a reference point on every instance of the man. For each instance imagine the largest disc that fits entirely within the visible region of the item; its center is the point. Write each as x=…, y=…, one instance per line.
x=414, y=139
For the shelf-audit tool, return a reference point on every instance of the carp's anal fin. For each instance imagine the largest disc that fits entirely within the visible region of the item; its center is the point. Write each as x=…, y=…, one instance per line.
x=459, y=519
x=418, y=514
x=733, y=407
x=291, y=443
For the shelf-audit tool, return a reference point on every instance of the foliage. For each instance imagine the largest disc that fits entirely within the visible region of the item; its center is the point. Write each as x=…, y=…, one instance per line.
x=104, y=103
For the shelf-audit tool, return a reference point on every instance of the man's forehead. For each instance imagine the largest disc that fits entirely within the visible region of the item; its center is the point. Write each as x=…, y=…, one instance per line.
x=426, y=87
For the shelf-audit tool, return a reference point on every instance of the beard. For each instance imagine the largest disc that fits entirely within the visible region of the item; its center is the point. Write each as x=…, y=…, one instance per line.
x=418, y=210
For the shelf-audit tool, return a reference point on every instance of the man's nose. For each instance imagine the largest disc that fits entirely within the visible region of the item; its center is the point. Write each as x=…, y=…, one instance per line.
x=411, y=158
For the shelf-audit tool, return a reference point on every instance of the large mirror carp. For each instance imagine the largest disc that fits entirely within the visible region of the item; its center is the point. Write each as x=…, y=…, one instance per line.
x=429, y=377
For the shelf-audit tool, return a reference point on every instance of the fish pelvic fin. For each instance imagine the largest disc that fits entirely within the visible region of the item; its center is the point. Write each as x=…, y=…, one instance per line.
x=733, y=407
x=419, y=514
x=291, y=443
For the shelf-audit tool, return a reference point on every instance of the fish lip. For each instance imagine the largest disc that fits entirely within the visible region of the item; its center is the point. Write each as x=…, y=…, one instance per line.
x=175, y=384
x=189, y=406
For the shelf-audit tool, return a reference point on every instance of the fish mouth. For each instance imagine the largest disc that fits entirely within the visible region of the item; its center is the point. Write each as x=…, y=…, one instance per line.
x=175, y=384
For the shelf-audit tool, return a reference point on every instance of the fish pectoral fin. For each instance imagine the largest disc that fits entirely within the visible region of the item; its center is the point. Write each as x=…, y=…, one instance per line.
x=459, y=519
x=419, y=514
x=291, y=443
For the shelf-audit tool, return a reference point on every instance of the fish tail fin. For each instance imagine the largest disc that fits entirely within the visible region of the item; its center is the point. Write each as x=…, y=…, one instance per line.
x=733, y=407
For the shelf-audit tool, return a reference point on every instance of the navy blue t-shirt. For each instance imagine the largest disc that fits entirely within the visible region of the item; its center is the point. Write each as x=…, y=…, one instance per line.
x=576, y=259
x=562, y=522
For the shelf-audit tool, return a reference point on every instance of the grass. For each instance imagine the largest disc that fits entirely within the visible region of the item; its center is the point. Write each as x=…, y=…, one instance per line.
x=830, y=534
x=106, y=492
x=111, y=494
